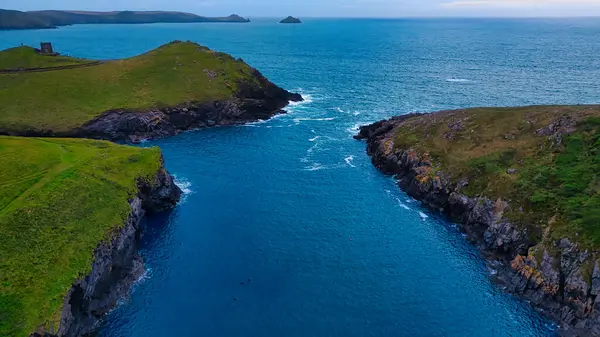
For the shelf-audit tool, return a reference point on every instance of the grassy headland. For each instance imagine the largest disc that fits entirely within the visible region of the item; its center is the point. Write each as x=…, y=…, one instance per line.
x=544, y=160
x=26, y=57
x=60, y=198
x=61, y=100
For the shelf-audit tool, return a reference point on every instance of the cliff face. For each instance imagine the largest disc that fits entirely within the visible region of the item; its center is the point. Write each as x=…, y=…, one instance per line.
x=117, y=264
x=255, y=101
x=555, y=275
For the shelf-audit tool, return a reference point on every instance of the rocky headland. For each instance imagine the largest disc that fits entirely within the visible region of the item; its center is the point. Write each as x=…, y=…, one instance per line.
x=129, y=100
x=521, y=182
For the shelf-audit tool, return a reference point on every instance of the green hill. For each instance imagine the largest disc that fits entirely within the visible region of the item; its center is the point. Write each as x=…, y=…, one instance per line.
x=10, y=19
x=60, y=198
x=63, y=100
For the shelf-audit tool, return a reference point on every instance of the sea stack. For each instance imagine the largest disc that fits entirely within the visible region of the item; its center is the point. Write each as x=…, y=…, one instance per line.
x=290, y=19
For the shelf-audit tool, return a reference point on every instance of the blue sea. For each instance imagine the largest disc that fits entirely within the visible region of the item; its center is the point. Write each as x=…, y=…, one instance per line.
x=286, y=229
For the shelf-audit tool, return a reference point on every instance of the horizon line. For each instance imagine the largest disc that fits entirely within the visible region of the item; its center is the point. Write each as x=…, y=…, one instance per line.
x=336, y=17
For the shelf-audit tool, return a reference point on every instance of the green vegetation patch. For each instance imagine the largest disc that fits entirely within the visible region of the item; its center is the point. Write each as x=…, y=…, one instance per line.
x=549, y=180
x=59, y=198
x=25, y=57
x=170, y=75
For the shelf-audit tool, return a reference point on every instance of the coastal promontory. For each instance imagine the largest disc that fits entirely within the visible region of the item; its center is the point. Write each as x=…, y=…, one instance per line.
x=290, y=19
x=523, y=184
x=173, y=88
x=70, y=219
x=12, y=19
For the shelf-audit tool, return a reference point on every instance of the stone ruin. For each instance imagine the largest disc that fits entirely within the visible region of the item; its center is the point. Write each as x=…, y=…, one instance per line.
x=46, y=49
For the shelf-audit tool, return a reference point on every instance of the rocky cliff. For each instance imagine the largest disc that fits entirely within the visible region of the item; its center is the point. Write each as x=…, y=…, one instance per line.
x=117, y=264
x=557, y=275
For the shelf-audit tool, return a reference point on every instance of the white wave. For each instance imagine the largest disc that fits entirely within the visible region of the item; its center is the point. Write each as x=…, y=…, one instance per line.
x=457, y=80
x=308, y=98
x=256, y=123
x=356, y=113
x=349, y=160
x=339, y=109
x=315, y=167
x=402, y=204
x=146, y=275
x=298, y=120
x=423, y=215
x=354, y=129
x=184, y=185
x=314, y=138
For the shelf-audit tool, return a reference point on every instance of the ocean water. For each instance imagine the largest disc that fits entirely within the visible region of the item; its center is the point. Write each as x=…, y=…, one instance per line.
x=286, y=229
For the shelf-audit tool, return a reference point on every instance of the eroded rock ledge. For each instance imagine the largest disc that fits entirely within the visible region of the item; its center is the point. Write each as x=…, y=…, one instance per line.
x=117, y=264
x=555, y=276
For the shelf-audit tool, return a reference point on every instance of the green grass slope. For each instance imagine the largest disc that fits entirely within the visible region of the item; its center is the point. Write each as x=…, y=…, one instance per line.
x=172, y=74
x=557, y=180
x=58, y=199
x=26, y=57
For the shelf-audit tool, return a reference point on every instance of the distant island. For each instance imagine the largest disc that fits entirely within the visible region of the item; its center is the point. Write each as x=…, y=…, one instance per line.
x=290, y=19
x=12, y=19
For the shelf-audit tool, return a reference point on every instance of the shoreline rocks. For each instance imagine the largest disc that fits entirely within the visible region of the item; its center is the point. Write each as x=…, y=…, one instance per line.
x=556, y=276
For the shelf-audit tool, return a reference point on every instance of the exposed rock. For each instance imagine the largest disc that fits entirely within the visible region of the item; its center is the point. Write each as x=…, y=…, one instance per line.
x=554, y=131
x=210, y=73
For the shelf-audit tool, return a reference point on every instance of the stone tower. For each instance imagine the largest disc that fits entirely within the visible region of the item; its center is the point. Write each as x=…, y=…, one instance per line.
x=46, y=48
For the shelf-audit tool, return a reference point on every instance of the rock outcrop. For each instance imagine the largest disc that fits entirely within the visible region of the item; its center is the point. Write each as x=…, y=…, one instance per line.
x=117, y=264
x=556, y=276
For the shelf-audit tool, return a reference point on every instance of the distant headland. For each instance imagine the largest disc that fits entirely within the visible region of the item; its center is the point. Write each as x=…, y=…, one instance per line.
x=290, y=19
x=12, y=19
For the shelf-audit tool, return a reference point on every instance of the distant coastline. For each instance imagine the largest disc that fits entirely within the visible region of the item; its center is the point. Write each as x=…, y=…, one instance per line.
x=49, y=19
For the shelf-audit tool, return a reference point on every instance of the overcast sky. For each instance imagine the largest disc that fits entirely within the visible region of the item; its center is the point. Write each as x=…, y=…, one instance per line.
x=331, y=8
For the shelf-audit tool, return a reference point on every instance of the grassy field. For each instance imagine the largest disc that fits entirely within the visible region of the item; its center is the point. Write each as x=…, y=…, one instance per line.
x=497, y=149
x=59, y=199
x=172, y=74
x=25, y=57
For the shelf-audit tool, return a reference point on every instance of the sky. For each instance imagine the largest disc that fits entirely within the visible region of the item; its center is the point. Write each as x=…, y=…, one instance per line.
x=331, y=8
